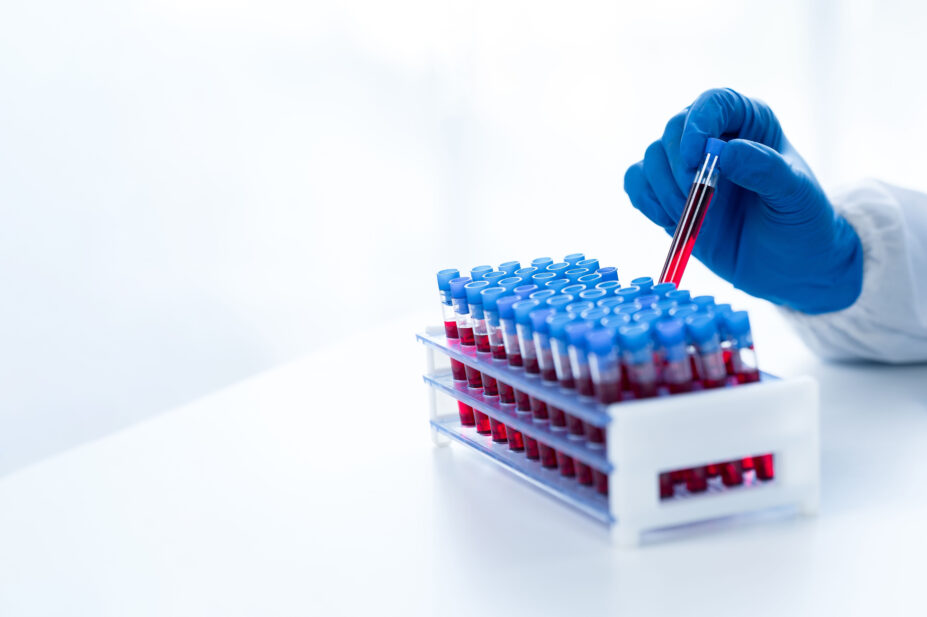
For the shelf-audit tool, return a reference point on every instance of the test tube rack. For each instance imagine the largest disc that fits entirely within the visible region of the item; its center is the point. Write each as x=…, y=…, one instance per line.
x=644, y=438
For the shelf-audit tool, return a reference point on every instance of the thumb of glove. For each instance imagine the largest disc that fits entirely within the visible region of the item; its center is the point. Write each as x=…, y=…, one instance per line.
x=762, y=170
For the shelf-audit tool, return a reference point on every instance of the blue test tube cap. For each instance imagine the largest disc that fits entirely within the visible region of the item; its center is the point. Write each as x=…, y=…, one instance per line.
x=526, y=273
x=511, y=283
x=478, y=272
x=701, y=328
x=644, y=282
x=609, y=273
x=539, y=319
x=720, y=309
x=615, y=321
x=737, y=322
x=573, y=258
x=670, y=332
x=523, y=291
x=556, y=284
x=610, y=287
x=574, y=274
x=509, y=267
x=592, y=295
x=681, y=312
x=473, y=290
x=647, y=316
x=629, y=294
x=493, y=278
x=540, y=278
x=664, y=306
x=590, y=264
x=523, y=309
x=489, y=296
x=601, y=342
x=572, y=290
x=576, y=333
x=504, y=304
x=703, y=303
x=559, y=268
x=457, y=286
x=559, y=302
x=445, y=276
x=681, y=296
x=579, y=306
x=542, y=295
x=714, y=146
x=648, y=301
x=661, y=289
x=634, y=337
x=557, y=323
x=594, y=315
x=590, y=280
x=541, y=262
x=626, y=308
x=609, y=302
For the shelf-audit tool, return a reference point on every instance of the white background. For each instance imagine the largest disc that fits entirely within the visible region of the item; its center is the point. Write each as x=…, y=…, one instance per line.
x=192, y=192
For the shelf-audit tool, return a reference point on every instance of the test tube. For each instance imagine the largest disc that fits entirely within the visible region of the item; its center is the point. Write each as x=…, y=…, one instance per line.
x=576, y=338
x=478, y=272
x=560, y=350
x=509, y=267
x=693, y=213
x=677, y=371
x=574, y=274
x=710, y=362
x=644, y=283
x=556, y=284
x=662, y=289
x=604, y=365
x=458, y=371
x=559, y=268
x=590, y=264
x=493, y=387
x=743, y=356
x=637, y=357
x=548, y=374
x=536, y=407
x=465, y=326
x=481, y=337
x=590, y=280
x=541, y=262
x=609, y=287
x=513, y=357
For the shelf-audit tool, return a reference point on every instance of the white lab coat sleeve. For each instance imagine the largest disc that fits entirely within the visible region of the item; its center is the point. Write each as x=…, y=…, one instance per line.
x=888, y=322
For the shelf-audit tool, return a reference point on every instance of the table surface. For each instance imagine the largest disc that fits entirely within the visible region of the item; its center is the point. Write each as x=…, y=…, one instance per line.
x=314, y=489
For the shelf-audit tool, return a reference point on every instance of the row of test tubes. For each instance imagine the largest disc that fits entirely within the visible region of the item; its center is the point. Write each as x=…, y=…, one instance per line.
x=571, y=323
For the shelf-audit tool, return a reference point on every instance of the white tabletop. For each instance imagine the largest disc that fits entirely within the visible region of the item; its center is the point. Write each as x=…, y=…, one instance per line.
x=314, y=489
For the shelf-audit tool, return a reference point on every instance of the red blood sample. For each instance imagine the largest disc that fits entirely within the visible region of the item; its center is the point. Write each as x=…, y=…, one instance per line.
x=548, y=455
x=679, y=476
x=482, y=422
x=531, y=365
x=679, y=388
x=647, y=389
x=506, y=393
x=466, y=414
x=450, y=330
x=713, y=383
x=575, y=426
x=531, y=448
x=747, y=463
x=458, y=370
x=625, y=379
x=522, y=401
x=538, y=409
x=696, y=480
x=764, y=467
x=601, y=481
x=584, y=385
x=482, y=342
x=732, y=473
x=713, y=471
x=466, y=336
x=666, y=486
x=568, y=382
x=595, y=434
x=748, y=377
x=693, y=215
x=490, y=387
x=557, y=417
x=583, y=473
x=728, y=363
x=565, y=463
x=549, y=374
x=498, y=431
x=516, y=443
x=608, y=392
x=514, y=359
x=474, y=377
x=498, y=352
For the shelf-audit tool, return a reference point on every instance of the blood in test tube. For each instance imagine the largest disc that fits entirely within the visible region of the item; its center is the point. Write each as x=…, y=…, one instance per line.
x=666, y=485
x=574, y=258
x=677, y=371
x=637, y=357
x=465, y=326
x=704, y=333
x=560, y=352
x=763, y=466
x=693, y=213
x=513, y=357
x=697, y=479
x=529, y=357
x=492, y=387
x=541, y=334
x=480, y=335
x=713, y=470
x=605, y=369
x=576, y=339
x=743, y=356
x=732, y=473
x=458, y=372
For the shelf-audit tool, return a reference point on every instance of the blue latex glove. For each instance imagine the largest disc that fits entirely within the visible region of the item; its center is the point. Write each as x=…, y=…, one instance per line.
x=769, y=230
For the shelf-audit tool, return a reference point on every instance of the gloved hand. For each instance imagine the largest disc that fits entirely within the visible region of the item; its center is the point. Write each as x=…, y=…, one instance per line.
x=769, y=230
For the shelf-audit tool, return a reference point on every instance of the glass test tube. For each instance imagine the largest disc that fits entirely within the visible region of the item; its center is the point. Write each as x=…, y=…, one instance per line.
x=458, y=371
x=537, y=407
x=513, y=357
x=493, y=387
x=481, y=338
x=556, y=325
x=677, y=371
x=637, y=357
